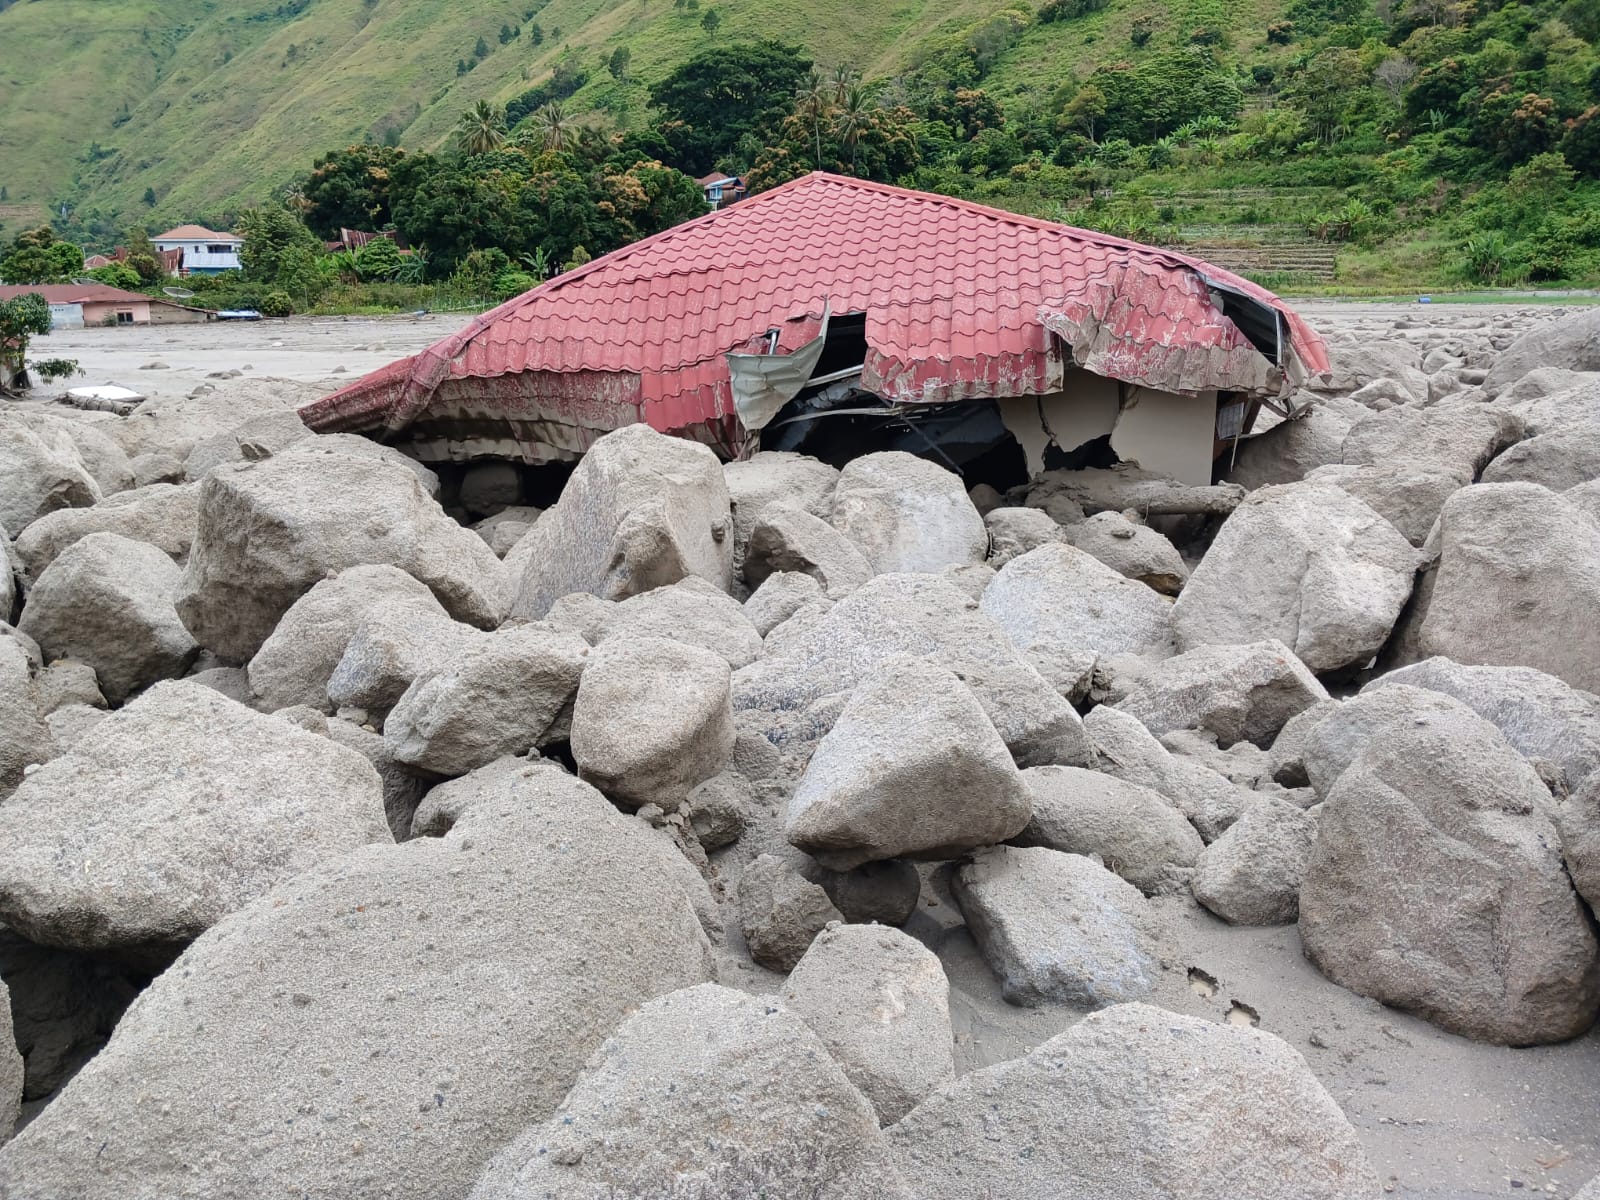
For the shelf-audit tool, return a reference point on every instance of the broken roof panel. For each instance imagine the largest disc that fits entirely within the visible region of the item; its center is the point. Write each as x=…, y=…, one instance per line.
x=960, y=302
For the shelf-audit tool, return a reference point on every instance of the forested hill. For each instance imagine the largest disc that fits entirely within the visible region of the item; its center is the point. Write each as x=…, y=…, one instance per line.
x=1429, y=141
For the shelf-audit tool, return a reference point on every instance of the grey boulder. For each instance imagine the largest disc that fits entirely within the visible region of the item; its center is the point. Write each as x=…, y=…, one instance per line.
x=1136, y=1103
x=880, y=1002
x=162, y=514
x=40, y=472
x=911, y=768
x=1436, y=886
x=703, y=1092
x=1059, y=596
x=269, y=531
x=497, y=699
x=399, y=639
x=298, y=659
x=481, y=970
x=1519, y=568
x=1241, y=693
x=924, y=617
x=1307, y=564
x=779, y=597
x=506, y=528
x=1136, y=832
x=1545, y=719
x=907, y=514
x=771, y=477
x=780, y=912
x=652, y=719
x=1132, y=550
x=1292, y=449
x=1408, y=495
x=1059, y=928
x=108, y=602
x=1458, y=438
x=691, y=611
x=791, y=539
x=1124, y=749
x=258, y=437
x=169, y=815
x=1251, y=874
x=1015, y=531
x=641, y=510
x=1572, y=343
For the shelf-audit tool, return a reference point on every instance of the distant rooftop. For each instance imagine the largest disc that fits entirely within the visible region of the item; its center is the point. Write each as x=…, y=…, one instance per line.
x=195, y=233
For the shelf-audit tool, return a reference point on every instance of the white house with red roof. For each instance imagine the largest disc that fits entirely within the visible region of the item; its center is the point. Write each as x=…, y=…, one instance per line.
x=204, y=251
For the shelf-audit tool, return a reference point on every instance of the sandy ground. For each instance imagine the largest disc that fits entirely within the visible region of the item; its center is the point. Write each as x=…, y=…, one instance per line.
x=1441, y=1117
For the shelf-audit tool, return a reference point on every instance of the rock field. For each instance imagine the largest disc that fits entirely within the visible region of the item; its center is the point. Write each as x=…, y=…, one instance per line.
x=766, y=830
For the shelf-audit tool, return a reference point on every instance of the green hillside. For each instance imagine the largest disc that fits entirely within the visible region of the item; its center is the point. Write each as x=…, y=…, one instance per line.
x=1354, y=143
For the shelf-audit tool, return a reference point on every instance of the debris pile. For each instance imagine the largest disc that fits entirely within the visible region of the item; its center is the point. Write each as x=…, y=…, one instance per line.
x=692, y=833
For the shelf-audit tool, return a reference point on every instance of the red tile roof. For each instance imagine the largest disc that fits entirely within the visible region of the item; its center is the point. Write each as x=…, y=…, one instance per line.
x=74, y=293
x=961, y=301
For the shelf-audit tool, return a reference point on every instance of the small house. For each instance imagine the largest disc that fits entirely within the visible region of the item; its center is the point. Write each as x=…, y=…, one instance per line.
x=78, y=305
x=202, y=251
x=721, y=189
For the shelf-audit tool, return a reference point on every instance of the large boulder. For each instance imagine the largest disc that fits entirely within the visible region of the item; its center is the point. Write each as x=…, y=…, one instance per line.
x=1059, y=927
x=174, y=425
x=402, y=790
x=691, y=611
x=1436, y=885
x=1015, y=531
x=108, y=601
x=270, y=530
x=880, y=1002
x=1132, y=550
x=652, y=719
x=1241, y=693
x=24, y=736
x=771, y=477
x=1059, y=597
x=1560, y=459
x=704, y=1092
x=925, y=617
x=398, y=640
x=1251, y=874
x=258, y=437
x=907, y=514
x=1124, y=749
x=1458, y=438
x=1577, y=818
x=1519, y=568
x=911, y=768
x=1334, y=735
x=481, y=969
x=1292, y=449
x=1358, y=359
x=1408, y=495
x=295, y=663
x=1572, y=343
x=101, y=454
x=1307, y=564
x=1545, y=719
x=781, y=912
x=1137, y=1103
x=641, y=510
x=162, y=514
x=791, y=539
x=1135, y=831
x=497, y=699
x=40, y=472
x=506, y=528
x=171, y=814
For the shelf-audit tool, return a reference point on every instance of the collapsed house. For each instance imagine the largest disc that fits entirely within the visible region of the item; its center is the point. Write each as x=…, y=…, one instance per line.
x=836, y=316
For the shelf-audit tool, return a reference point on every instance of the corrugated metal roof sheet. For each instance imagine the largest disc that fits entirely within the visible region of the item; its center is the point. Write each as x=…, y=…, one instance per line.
x=961, y=301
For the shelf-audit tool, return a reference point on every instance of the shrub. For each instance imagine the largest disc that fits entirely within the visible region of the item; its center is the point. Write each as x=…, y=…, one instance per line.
x=1484, y=255
x=276, y=304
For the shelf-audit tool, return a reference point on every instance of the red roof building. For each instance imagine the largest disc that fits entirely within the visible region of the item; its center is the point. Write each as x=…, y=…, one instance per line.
x=955, y=301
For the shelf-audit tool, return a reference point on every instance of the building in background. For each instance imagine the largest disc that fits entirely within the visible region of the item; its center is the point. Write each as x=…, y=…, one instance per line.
x=200, y=251
x=77, y=305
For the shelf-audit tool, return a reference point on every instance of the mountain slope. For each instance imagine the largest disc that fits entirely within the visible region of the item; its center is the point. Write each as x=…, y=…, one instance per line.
x=212, y=105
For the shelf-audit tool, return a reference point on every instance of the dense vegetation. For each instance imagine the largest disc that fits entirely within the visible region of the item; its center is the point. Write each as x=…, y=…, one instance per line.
x=1434, y=142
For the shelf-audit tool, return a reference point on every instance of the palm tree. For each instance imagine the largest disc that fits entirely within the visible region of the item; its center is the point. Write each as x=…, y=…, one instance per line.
x=852, y=118
x=554, y=129
x=843, y=76
x=482, y=129
x=811, y=102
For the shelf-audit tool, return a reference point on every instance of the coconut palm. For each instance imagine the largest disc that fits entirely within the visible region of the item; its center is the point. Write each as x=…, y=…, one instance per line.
x=811, y=102
x=482, y=129
x=553, y=128
x=843, y=76
x=852, y=118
